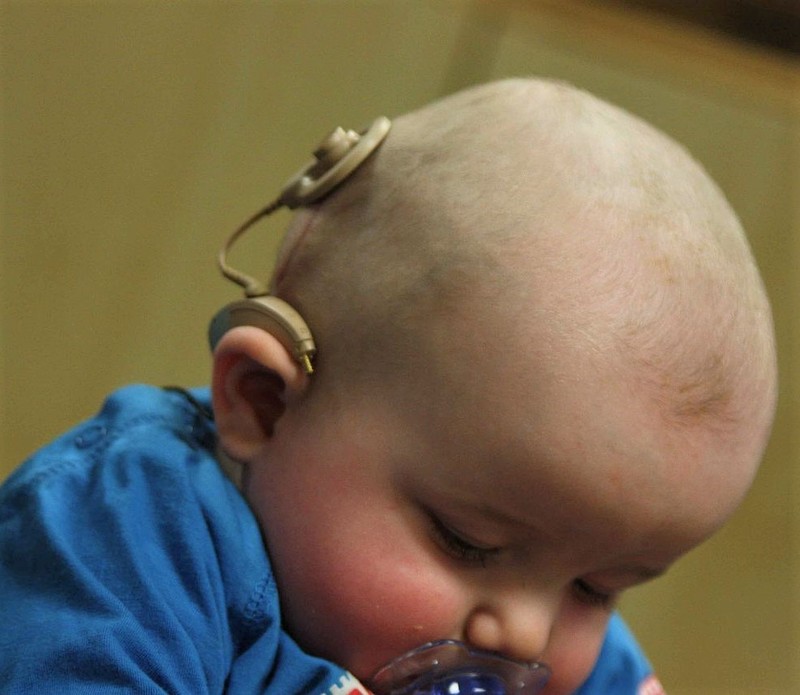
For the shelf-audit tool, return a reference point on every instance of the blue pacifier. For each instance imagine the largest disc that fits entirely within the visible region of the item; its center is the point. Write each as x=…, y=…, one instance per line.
x=448, y=667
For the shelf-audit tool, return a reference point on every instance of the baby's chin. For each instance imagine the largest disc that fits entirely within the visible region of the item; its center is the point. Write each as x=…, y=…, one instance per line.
x=363, y=664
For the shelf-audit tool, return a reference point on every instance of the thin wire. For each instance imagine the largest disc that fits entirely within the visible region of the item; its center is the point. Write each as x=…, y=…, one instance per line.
x=252, y=287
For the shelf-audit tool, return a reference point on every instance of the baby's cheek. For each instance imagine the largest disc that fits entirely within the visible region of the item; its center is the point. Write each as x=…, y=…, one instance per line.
x=385, y=612
x=573, y=650
x=364, y=590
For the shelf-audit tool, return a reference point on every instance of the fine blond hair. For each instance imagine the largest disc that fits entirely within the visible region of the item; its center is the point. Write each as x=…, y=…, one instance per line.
x=542, y=201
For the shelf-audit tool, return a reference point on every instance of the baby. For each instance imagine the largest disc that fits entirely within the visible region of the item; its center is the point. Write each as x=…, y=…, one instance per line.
x=545, y=371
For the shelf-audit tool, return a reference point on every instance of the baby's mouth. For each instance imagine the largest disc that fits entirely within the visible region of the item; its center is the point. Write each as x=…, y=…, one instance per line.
x=448, y=667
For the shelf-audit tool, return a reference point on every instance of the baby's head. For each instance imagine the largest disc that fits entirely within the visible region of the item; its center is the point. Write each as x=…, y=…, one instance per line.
x=545, y=371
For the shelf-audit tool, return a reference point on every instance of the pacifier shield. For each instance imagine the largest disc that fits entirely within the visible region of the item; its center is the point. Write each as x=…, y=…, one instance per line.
x=449, y=667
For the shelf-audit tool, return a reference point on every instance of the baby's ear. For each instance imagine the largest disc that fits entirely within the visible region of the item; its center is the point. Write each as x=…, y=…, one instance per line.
x=254, y=377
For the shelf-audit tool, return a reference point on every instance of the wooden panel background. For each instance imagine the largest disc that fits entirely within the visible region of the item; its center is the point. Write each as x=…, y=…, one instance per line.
x=136, y=134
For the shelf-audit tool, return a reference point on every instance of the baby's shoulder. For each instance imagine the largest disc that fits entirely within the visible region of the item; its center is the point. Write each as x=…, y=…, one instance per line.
x=139, y=432
x=622, y=667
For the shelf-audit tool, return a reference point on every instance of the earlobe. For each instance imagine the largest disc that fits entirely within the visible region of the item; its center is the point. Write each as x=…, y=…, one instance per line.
x=254, y=378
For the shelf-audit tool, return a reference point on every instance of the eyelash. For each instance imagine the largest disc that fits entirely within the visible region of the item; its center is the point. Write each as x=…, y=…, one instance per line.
x=455, y=546
x=590, y=596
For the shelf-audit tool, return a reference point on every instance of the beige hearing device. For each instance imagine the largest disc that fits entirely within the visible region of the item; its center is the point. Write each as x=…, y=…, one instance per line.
x=336, y=158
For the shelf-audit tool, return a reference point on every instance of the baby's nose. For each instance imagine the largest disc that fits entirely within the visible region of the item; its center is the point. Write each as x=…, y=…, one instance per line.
x=515, y=627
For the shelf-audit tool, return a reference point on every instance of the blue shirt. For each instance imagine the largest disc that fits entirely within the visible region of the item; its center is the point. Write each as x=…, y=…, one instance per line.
x=130, y=563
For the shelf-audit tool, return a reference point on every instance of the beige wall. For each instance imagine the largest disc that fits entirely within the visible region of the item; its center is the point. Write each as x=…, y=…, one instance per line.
x=135, y=135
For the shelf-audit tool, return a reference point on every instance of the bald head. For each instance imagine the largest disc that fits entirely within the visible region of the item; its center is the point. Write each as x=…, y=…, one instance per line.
x=554, y=212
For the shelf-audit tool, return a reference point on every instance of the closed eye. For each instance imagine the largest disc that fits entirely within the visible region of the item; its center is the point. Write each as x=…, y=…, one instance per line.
x=456, y=545
x=591, y=596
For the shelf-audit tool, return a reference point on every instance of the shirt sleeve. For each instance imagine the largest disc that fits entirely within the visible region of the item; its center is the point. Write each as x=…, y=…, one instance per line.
x=128, y=563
